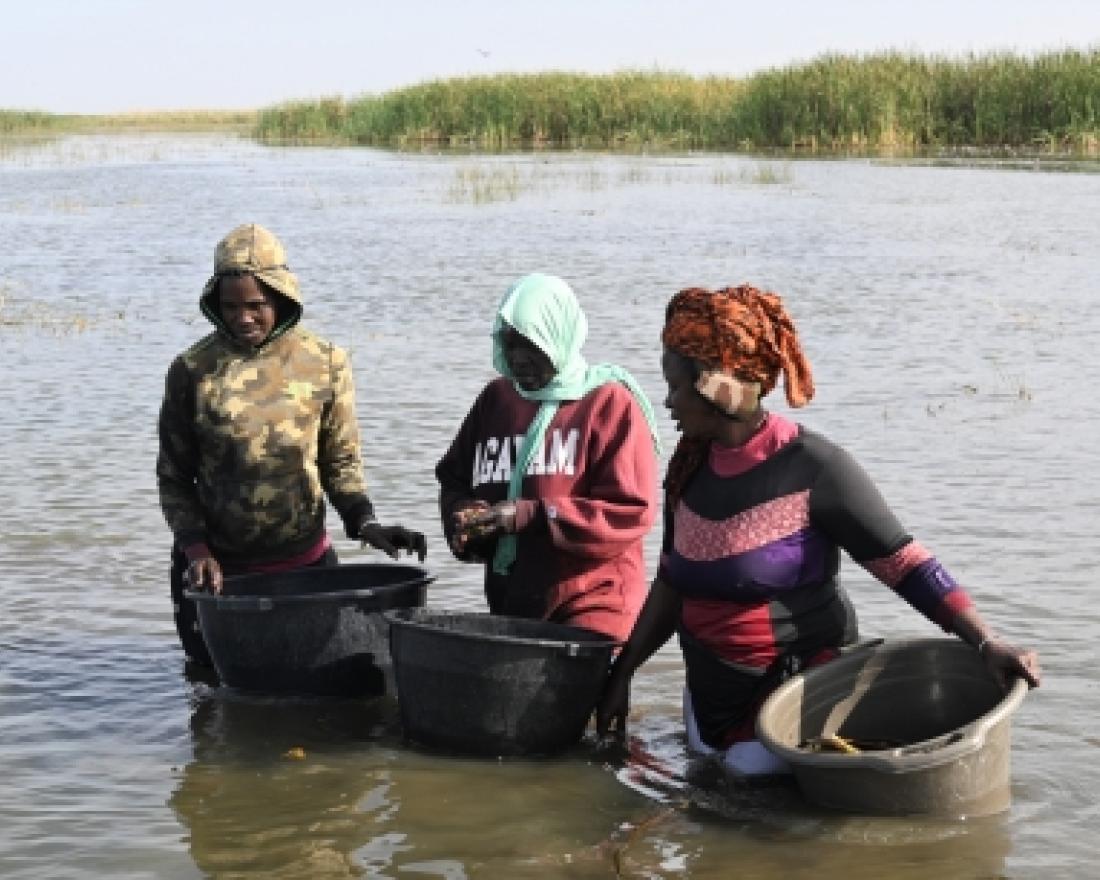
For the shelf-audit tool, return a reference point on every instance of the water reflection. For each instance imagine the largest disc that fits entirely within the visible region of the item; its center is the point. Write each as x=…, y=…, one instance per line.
x=322, y=788
x=326, y=789
x=712, y=821
x=283, y=787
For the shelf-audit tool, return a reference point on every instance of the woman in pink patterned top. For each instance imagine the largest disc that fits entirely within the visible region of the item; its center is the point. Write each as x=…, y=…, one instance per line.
x=757, y=512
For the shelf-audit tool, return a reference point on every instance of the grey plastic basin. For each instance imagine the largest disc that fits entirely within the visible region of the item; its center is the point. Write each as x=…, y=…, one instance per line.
x=934, y=698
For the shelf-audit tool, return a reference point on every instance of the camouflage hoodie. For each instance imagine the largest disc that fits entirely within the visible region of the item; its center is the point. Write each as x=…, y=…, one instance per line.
x=251, y=440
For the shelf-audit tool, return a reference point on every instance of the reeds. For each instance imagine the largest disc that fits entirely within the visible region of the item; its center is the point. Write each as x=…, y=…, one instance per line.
x=499, y=111
x=29, y=122
x=887, y=101
x=896, y=101
x=883, y=102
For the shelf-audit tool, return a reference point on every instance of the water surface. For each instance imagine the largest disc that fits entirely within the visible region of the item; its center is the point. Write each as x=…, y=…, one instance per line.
x=948, y=312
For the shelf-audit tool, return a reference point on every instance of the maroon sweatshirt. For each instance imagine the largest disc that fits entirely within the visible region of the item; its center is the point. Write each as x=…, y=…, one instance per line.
x=588, y=500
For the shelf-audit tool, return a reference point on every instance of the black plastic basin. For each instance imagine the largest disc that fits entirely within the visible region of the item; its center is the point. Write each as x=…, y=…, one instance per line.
x=314, y=631
x=491, y=685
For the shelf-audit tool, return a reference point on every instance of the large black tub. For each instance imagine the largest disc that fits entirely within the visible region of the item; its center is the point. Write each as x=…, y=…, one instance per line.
x=317, y=631
x=489, y=685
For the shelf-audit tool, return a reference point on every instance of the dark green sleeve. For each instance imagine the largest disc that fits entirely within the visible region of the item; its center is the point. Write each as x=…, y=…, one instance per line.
x=178, y=458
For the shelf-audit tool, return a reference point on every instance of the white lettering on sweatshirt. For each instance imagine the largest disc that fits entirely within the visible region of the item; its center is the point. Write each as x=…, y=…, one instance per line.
x=493, y=459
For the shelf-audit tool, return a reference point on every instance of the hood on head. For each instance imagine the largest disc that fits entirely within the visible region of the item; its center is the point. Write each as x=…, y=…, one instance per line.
x=544, y=309
x=253, y=250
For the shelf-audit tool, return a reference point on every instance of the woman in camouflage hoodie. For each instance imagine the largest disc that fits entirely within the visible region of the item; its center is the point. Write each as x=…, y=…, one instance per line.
x=257, y=426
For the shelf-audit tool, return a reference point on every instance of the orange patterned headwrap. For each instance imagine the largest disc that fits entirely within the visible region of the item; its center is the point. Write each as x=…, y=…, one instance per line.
x=740, y=331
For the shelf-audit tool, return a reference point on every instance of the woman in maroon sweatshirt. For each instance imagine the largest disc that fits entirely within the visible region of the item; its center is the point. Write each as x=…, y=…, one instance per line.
x=551, y=481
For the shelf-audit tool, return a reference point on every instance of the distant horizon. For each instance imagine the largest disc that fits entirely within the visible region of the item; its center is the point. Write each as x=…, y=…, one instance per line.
x=113, y=57
x=353, y=96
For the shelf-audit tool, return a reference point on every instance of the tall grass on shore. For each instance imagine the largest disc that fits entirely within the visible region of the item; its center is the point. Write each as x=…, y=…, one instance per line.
x=24, y=122
x=31, y=122
x=886, y=101
x=506, y=110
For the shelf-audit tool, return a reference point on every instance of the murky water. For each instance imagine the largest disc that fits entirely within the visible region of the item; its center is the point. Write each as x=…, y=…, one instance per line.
x=950, y=315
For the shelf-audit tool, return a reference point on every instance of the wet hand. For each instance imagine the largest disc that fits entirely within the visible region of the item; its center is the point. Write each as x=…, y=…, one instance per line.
x=204, y=574
x=611, y=711
x=391, y=540
x=488, y=520
x=464, y=529
x=1007, y=662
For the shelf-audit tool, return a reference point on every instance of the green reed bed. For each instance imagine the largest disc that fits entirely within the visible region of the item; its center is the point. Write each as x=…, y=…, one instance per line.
x=229, y=121
x=31, y=123
x=1050, y=101
x=883, y=101
x=505, y=110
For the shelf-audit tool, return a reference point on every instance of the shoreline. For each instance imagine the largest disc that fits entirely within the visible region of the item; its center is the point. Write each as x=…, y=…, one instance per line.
x=885, y=105
x=1001, y=156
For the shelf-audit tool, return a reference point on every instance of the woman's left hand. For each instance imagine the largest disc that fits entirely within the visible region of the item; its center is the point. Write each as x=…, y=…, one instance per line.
x=1007, y=661
x=500, y=517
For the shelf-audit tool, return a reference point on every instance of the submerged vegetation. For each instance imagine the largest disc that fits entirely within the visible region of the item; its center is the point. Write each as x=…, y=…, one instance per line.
x=488, y=182
x=886, y=101
x=28, y=314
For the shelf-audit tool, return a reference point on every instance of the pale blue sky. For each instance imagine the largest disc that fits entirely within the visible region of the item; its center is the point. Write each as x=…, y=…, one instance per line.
x=95, y=56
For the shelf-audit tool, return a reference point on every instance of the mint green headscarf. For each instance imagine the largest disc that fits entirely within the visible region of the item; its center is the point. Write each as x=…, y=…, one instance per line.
x=544, y=309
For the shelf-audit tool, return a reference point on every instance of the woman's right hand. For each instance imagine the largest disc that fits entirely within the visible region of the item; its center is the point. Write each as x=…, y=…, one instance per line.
x=612, y=709
x=465, y=519
x=655, y=625
x=204, y=573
